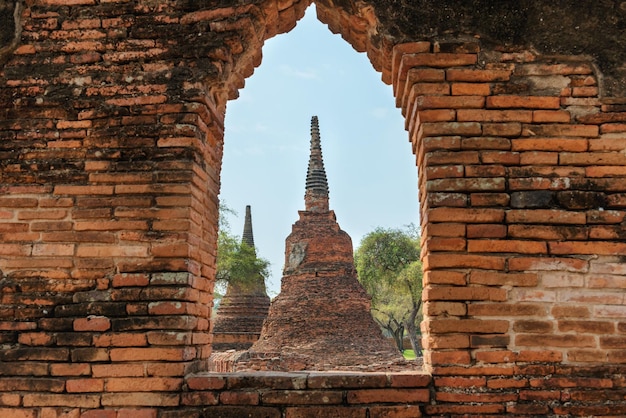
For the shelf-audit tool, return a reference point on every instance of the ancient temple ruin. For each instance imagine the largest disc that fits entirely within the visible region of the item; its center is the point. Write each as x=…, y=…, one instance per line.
x=321, y=319
x=112, y=120
x=243, y=308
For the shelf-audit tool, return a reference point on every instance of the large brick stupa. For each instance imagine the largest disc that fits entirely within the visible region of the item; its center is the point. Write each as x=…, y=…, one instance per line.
x=321, y=319
x=243, y=308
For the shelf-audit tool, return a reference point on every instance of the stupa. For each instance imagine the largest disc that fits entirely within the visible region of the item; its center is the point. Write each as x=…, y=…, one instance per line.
x=321, y=319
x=243, y=308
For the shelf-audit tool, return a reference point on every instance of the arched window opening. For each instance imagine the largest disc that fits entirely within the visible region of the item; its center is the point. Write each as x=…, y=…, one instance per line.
x=371, y=171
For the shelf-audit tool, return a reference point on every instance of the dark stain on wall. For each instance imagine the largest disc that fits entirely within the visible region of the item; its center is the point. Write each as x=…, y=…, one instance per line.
x=7, y=24
x=569, y=27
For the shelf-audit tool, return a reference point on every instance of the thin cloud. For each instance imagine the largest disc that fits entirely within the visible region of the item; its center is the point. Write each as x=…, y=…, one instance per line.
x=308, y=74
x=254, y=150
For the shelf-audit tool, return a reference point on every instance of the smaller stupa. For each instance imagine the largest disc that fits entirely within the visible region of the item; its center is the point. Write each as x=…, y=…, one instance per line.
x=321, y=319
x=243, y=308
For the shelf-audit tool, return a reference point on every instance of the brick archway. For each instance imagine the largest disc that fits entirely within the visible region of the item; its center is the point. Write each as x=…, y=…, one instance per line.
x=112, y=130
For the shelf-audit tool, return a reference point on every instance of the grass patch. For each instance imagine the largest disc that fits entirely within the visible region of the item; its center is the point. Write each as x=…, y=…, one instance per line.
x=409, y=354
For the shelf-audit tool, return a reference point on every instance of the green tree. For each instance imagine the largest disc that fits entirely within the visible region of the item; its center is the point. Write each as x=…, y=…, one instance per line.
x=237, y=262
x=388, y=267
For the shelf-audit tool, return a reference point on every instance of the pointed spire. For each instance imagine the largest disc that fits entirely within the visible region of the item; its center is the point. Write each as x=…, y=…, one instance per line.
x=316, y=192
x=248, y=237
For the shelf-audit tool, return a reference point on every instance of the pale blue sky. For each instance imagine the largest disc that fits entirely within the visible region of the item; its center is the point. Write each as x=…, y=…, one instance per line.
x=370, y=168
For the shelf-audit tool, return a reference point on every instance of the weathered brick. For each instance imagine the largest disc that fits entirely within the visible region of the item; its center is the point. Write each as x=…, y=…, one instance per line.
x=117, y=370
x=593, y=327
x=84, y=385
x=596, y=247
x=486, y=143
x=549, y=144
x=539, y=158
x=528, y=409
x=461, y=382
x=502, y=279
x=489, y=199
x=471, y=89
x=76, y=401
x=70, y=369
x=449, y=102
x=546, y=116
x=506, y=383
x=239, y=398
x=446, y=229
x=465, y=215
x=466, y=185
x=445, y=244
x=482, y=115
x=595, y=158
x=545, y=216
x=539, y=395
x=89, y=355
x=199, y=398
x=473, y=371
x=448, y=357
x=140, y=399
x=443, y=341
x=142, y=384
x=400, y=411
x=435, y=308
x=543, y=232
x=476, y=75
x=332, y=411
x=13, y=384
x=430, y=88
x=92, y=323
x=587, y=355
x=474, y=397
x=442, y=260
x=567, y=340
x=541, y=327
x=35, y=338
x=437, y=115
x=440, y=60
x=444, y=171
x=562, y=279
x=486, y=231
x=530, y=295
x=503, y=129
x=444, y=277
x=158, y=369
x=504, y=246
x=19, y=413
x=464, y=293
x=366, y=396
x=501, y=310
x=142, y=354
x=528, y=102
x=445, y=326
x=451, y=158
x=298, y=397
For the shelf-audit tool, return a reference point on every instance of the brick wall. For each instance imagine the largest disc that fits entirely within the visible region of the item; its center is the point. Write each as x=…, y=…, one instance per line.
x=521, y=174
x=111, y=132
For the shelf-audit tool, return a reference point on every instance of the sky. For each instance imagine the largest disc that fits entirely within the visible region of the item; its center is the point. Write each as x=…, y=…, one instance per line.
x=370, y=168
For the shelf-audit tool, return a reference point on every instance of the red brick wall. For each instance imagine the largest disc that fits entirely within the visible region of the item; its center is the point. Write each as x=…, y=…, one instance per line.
x=522, y=184
x=111, y=132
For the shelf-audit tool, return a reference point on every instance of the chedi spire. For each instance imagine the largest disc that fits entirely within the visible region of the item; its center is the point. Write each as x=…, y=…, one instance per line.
x=316, y=191
x=248, y=236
